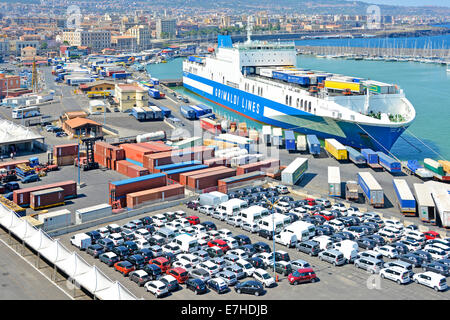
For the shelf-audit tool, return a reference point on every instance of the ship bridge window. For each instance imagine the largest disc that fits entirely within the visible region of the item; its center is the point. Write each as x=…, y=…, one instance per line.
x=253, y=89
x=290, y=100
x=301, y=103
x=297, y=103
x=309, y=106
x=287, y=99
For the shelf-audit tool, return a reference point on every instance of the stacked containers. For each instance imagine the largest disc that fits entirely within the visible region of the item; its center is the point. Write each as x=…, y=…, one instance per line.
x=224, y=184
x=269, y=165
x=175, y=174
x=176, y=166
x=208, y=180
x=22, y=196
x=169, y=192
x=336, y=149
x=184, y=176
x=46, y=198
x=65, y=154
x=216, y=162
x=122, y=167
x=107, y=155
x=135, y=152
x=134, y=171
x=195, y=153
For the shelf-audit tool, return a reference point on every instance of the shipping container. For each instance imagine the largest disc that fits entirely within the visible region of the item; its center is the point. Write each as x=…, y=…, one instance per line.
x=174, y=166
x=414, y=167
x=426, y=208
x=301, y=143
x=135, y=152
x=199, y=153
x=351, y=191
x=341, y=85
x=188, y=112
x=157, y=112
x=289, y=140
x=336, y=149
x=434, y=166
x=122, y=167
x=134, y=171
x=209, y=179
x=277, y=137
x=138, y=113
x=92, y=213
x=187, y=143
x=371, y=189
x=22, y=196
x=293, y=173
x=210, y=125
x=46, y=198
x=405, y=199
x=267, y=134
x=166, y=111
x=216, y=162
x=223, y=185
x=390, y=164
x=65, y=150
x=370, y=156
x=355, y=156
x=313, y=144
x=269, y=165
x=165, y=193
x=175, y=173
x=184, y=176
x=55, y=220
x=442, y=203
x=334, y=182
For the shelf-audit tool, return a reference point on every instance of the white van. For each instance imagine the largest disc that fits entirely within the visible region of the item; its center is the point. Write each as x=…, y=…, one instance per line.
x=232, y=207
x=287, y=239
x=186, y=242
x=300, y=228
x=431, y=279
x=81, y=241
x=253, y=214
x=324, y=242
x=267, y=224
x=348, y=248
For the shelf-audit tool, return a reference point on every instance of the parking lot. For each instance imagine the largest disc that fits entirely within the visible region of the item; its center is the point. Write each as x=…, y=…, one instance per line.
x=344, y=282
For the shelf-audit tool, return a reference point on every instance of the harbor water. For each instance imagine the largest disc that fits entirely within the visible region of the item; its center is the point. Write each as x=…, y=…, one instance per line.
x=427, y=86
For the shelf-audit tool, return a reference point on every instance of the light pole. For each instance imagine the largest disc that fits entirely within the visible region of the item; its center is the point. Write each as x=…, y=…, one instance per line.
x=271, y=205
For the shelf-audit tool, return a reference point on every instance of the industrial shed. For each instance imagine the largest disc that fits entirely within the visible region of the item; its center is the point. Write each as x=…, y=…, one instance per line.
x=82, y=127
x=15, y=137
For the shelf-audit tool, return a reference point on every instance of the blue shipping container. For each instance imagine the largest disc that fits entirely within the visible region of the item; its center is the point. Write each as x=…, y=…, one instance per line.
x=389, y=163
x=406, y=200
x=135, y=162
x=301, y=80
x=186, y=169
x=166, y=111
x=413, y=165
x=188, y=112
x=205, y=108
x=355, y=156
x=289, y=140
x=370, y=155
x=177, y=165
x=313, y=144
x=280, y=75
x=138, y=179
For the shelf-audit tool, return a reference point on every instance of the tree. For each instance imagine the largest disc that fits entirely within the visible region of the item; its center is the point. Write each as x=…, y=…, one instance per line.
x=44, y=45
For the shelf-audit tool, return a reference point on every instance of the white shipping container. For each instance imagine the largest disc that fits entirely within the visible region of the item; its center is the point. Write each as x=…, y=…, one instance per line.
x=334, y=181
x=293, y=172
x=425, y=204
x=55, y=220
x=301, y=143
x=442, y=202
x=266, y=72
x=267, y=132
x=432, y=163
x=92, y=213
x=277, y=137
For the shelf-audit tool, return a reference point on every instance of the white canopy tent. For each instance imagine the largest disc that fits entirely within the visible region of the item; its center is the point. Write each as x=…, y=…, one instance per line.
x=55, y=252
x=73, y=265
x=115, y=292
x=39, y=241
x=94, y=280
x=24, y=230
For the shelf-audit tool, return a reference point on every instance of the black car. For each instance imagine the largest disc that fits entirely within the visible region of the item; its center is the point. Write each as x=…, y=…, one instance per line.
x=95, y=250
x=213, y=284
x=140, y=277
x=121, y=251
x=347, y=222
x=323, y=231
x=249, y=249
x=413, y=259
x=283, y=268
x=106, y=243
x=250, y=287
x=156, y=241
x=366, y=243
x=337, y=237
x=196, y=285
x=128, y=235
x=242, y=239
x=257, y=262
x=282, y=256
x=371, y=226
x=209, y=225
x=213, y=252
x=437, y=267
x=426, y=256
x=146, y=254
x=137, y=260
x=150, y=228
x=262, y=247
x=131, y=245
x=401, y=247
x=378, y=239
x=11, y=186
x=445, y=261
x=348, y=235
x=193, y=204
x=95, y=236
x=354, y=220
x=266, y=234
x=153, y=271
x=310, y=219
x=293, y=216
x=169, y=256
x=146, y=220
x=108, y=258
x=232, y=195
x=286, y=198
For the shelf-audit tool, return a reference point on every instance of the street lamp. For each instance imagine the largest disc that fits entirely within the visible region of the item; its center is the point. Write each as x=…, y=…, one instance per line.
x=271, y=205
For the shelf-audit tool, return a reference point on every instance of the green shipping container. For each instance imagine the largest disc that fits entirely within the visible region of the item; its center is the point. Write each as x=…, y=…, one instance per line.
x=434, y=166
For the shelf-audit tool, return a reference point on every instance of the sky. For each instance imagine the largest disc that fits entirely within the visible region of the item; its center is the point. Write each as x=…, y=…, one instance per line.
x=443, y=3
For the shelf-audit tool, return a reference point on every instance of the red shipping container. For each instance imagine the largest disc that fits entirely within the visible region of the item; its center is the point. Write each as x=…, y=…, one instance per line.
x=121, y=189
x=195, y=153
x=155, y=146
x=184, y=176
x=12, y=164
x=22, y=196
x=135, y=152
x=136, y=198
x=134, y=171
x=65, y=150
x=222, y=186
x=46, y=198
x=122, y=167
x=215, y=162
x=272, y=165
x=208, y=180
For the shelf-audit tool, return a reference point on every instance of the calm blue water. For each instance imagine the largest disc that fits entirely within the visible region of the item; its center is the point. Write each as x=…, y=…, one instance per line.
x=434, y=42
x=426, y=86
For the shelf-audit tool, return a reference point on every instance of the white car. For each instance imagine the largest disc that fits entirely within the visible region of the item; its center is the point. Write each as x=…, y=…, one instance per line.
x=221, y=215
x=174, y=226
x=208, y=210
x=299, y=212
x=336, y=224
x=172, y=248
x=437, y=254
x=214, y=234
x=250, y=227
x=397, y=274
x=246, y=266
x=142, y=244
x=437, y=246
x=326, y=203
x=282, y=206
x=158, y=288
x=431, y=279
x=231, y=242
x=183, y=264
x=209, y=266
x=393, y=223
x=339, y=206
x=189, y=230
x=183, y=221
x=159, y=219
x=234, y=221
x=199, y=228
x=104, y=232
x=387, y=251
x=238, y=252
x=264, y=277
x=412, y=245
x=202, y=255
x=266, y=257
x=282, y=189
x=203, y=235
x=354, y=211
x=225, y=233
x=142, y=234
x=300, y=264
x=180, y=214
x=354, y=232
x=189, y=258
x=371, y=254
x=116, y=238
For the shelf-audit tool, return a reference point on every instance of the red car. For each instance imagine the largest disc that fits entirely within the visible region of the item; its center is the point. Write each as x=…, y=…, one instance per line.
x=161, y=262
x=430, y=235
x=302, y=275
x=124, y=267
x=220, y=244
x=178, y=273
x=310, y=201
x=325, y=214
x=193, y=220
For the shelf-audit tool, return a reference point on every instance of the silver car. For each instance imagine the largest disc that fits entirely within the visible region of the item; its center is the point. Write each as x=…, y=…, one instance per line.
x=332, y=256
x=369, y=264
x=300, y=264
x=238, y=271
x=250, y=227
x=228, y=276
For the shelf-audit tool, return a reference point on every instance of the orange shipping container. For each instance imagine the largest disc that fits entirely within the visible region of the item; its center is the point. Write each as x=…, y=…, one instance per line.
x=184, y=176
x=208, y=180
x=163, y=193
x=122, y=167
x=135, y=152
x=270, y=165
x=134, y=171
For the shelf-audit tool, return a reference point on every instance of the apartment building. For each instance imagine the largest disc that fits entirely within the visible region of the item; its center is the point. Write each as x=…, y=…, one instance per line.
x=95, y=39
x=142, y=35
x=124, y=42
x=166, y=27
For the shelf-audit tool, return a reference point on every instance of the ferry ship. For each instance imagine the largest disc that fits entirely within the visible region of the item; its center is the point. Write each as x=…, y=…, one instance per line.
x=259, y=81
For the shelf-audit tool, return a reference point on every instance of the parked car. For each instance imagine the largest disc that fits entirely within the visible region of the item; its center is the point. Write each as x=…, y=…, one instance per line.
x=411, y=258
x=301, y=276
x=250, y=287
x=124, y=267
x=250, y=227
x=153, y=271
x=95, y=250
x=170, y=282
x=121, y=251
x=387, y=251
x=140, y=277
x=268, y=234
x=283, y=267
x=432, y=280
x=157, y=287
x=261, y=247
x=108, y=258
x=217, y=284
x=196, y=285
x=178, y=273
x=437, y=268
x=397, y=274
x=310, y=247
x=162, y=263
x=200, y=273
x=220, y=244
x=300, y=264
x=332, y=256
x=264, y=277
x=369, y=264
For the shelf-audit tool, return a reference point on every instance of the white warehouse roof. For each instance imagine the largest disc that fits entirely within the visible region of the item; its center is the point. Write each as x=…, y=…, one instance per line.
x=11, y=132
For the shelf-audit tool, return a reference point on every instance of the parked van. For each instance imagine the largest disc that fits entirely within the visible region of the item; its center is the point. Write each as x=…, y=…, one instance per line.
x=324, y=242
x=232, y=207
x=348, y=248
x=186, y=242
x=303, y=230
x=400, y=264
x=287, y=239
x=81, y=241
x=431, y=279
x=267, y=224
x=253, y=214
x=334, y=257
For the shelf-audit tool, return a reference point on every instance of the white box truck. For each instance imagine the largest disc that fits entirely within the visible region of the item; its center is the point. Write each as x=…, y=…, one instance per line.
x=334, y=181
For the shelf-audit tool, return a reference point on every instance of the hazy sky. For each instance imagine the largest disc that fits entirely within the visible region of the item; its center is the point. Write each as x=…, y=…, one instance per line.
x=444, y=3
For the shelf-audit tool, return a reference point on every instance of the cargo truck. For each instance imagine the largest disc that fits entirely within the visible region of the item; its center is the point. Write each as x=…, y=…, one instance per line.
x=289, y=140
x=301, y=143
x=336, y=149
x=442, y=202
x=437, y=169
x=293, y=173
x=277, y=137
x=414, y=167
x=355, y=156
x=405, y=199
x=188, y=112
x=426, y=209
x=388, y=163
x=371, y=158
x=334, y=182
x=138, y=113
x=351, y=191
x=313, y=144
x=371, y=189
